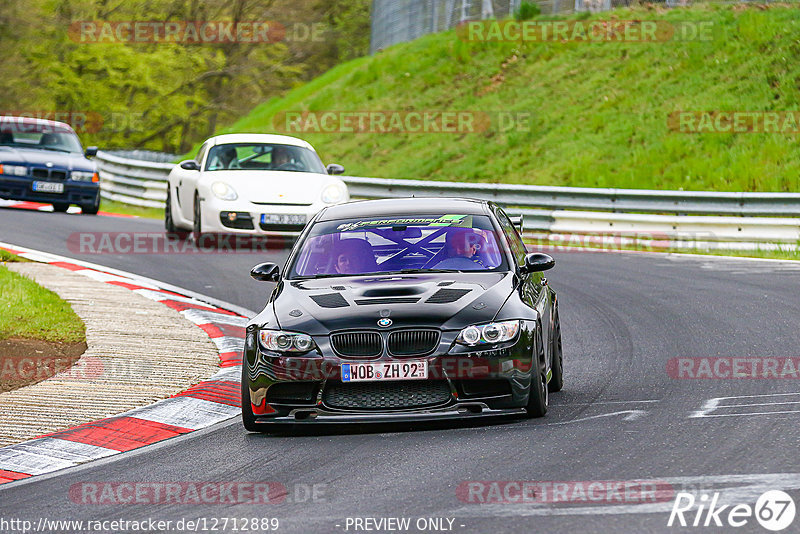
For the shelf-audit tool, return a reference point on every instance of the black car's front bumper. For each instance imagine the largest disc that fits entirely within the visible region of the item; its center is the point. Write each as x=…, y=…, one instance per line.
x=21, y=188
x=478, y=383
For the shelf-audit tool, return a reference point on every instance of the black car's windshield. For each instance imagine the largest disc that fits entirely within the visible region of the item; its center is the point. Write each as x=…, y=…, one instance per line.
x=59, y=141
x=263, y=156
x=419, y=243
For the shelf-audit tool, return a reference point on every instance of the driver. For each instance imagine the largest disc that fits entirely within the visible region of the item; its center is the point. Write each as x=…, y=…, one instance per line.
x=280, y=157
x=464, y=243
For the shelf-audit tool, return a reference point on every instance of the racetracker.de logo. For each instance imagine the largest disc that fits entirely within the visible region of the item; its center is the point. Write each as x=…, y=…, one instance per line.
x=733, y=368
x=778, y=122
x=116, y=493
x=585, y=31
x=180, y=32
x=570, y=492
x=160, y=243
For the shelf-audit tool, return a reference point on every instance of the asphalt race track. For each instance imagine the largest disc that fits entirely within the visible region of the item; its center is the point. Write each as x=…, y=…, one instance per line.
x=620, y=417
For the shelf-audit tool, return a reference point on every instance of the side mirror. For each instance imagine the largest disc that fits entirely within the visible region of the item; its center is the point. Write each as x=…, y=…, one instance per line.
x=335, y=168
x=537, y=262
x=90, y=151
x=190, y=165
x=266, y=272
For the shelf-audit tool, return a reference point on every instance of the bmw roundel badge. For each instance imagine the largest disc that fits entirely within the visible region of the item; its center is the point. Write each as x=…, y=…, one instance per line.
x=384, y=322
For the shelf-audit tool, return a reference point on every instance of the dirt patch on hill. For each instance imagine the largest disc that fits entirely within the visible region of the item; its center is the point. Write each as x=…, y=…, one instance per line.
x=27, y=361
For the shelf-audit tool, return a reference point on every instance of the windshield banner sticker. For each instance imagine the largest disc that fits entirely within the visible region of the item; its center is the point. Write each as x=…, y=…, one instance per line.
x=456, y=221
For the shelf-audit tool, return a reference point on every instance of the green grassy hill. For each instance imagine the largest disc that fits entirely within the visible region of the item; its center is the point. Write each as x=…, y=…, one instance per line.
x=599, y=111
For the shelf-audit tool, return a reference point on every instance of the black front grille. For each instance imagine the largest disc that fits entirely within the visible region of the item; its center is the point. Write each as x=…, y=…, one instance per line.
x=49, y=174
x=413, y=342
x=386, y=395
x=446, y=296
x=330, y=300
x=357, y=344
x=388, y=300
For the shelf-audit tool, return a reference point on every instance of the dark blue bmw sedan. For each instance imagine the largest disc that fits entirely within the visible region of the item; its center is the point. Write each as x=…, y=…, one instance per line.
x=43, y=161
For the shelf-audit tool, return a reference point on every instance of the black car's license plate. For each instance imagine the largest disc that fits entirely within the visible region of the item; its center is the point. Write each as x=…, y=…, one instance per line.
x=372, y=372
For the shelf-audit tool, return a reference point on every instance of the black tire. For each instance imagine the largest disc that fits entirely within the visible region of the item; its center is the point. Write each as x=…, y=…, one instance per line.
x=557, y=358
x=539, y=396
x=197, y=223
x=91, y=209
x=169, y=222
x=60, y=207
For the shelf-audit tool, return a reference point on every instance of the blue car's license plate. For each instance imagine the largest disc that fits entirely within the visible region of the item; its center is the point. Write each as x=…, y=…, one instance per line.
x=48, y=187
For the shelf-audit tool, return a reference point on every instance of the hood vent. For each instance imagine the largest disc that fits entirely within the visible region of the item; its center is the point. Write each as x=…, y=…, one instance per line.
x=446, y=296
x=446, y=283
x=330, y=300
x=388, y=300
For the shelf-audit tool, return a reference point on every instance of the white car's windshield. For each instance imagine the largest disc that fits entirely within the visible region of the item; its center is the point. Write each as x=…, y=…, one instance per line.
x=263, y=156
x=437, y=242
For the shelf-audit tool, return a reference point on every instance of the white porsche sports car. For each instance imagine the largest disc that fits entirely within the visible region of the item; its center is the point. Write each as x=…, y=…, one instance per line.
x=252, y=184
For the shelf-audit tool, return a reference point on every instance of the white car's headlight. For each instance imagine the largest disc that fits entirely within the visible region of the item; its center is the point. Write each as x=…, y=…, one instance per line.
x=489, y=333
x=84, y=176
x=279, y=341
x=333, y=193
x=14, y=170
x=223, y=191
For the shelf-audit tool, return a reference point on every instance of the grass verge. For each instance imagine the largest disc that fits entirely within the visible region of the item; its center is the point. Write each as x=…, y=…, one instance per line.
x=29, y=311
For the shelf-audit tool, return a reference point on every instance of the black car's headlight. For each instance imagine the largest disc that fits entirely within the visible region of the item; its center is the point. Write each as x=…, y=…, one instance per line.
x=489, y=333
x=280, y=341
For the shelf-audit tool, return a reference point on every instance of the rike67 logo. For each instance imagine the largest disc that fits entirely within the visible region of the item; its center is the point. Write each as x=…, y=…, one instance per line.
x=774, y=510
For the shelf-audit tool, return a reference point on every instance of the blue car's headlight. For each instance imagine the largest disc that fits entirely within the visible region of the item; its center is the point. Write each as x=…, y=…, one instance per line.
x=279, y=341
x=489, y=333
x=84, y=176
x=14, y=170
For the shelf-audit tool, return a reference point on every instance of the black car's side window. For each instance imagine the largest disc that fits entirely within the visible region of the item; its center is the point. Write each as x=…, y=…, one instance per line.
x=513, y=237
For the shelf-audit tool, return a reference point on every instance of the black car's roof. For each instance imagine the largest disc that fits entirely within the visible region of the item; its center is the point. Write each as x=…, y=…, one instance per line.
x=404, y=206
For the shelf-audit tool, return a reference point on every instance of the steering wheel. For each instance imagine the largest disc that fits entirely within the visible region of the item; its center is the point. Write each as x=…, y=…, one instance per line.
x=460, y=264
x=289, y=166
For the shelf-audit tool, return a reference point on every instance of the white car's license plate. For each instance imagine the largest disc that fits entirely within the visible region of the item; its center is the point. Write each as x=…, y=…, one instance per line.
x=282, y=218
x=373, y=372
x=48, y=187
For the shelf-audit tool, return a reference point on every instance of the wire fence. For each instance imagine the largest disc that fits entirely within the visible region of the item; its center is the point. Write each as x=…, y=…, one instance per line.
x=397, y=21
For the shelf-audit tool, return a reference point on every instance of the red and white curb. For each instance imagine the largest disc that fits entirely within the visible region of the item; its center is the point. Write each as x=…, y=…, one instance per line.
x=204, y=404
x=38, y=206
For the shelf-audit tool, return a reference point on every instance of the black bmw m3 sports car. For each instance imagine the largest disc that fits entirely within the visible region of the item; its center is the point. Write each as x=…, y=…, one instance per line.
x=404, y=309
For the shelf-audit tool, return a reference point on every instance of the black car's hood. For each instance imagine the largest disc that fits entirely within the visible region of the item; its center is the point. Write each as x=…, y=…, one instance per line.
x=448, y=301
x=59, y=160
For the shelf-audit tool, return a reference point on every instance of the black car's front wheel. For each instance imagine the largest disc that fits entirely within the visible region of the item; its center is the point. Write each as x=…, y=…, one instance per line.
x=539, y=395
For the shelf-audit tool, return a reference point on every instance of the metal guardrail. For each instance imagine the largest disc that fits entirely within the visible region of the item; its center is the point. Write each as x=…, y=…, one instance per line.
x=716, y=217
